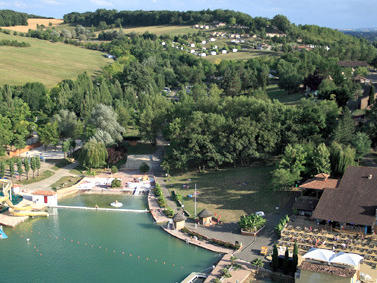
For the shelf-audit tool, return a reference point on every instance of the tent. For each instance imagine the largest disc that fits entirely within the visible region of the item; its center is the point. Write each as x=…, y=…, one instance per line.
x=346, y=258
x=319, y=254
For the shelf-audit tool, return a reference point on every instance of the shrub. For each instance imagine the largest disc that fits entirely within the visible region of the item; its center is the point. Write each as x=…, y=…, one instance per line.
x=252, y=222
x=225, y=272
x=257, y=262
x=114, y=169
x=169, y=212
x=116, y=183
x=283, y=221
x=144, y=167
x=157, y=192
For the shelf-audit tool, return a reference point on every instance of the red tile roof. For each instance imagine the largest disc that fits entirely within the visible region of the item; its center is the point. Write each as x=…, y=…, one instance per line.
x=44, y=193
x=320, y=183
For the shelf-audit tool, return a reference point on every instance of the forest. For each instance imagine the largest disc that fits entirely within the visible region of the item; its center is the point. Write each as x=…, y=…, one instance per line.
x=222, y=115
x=12, y=18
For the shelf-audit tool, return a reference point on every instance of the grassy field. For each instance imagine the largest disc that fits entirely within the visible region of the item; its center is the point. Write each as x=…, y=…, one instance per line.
x=66, y=182
x=45, y=62
x=159, y=30
x=231, y=192
x=44, y=175
x=274, y=92
x=241, y=55
x=32, y=24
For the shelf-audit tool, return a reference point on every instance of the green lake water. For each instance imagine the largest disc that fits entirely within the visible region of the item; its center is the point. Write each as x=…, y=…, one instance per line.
x=92, y=246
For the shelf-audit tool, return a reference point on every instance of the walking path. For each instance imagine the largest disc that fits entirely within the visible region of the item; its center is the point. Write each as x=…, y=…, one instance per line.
x=238, y=275
x=46, y=183
x=202, y=244
x=155, y=209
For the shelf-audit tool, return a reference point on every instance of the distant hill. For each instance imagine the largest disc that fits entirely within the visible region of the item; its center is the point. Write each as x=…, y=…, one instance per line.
x=370, y=34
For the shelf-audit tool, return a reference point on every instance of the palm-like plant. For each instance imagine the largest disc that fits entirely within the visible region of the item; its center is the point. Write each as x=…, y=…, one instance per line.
x=252, y=222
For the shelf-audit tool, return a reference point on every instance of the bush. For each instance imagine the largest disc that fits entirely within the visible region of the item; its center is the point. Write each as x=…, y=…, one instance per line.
x=116, y=183
x=252, y=222
x=144, y=168
x=114, y=169
x=169, y=212
x=257, y=262
x=283, y=221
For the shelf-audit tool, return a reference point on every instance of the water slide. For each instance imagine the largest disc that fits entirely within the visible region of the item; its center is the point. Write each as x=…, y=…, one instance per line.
x=20, y=210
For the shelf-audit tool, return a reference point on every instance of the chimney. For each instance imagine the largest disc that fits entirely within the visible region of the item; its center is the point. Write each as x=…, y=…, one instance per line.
x=370, y=176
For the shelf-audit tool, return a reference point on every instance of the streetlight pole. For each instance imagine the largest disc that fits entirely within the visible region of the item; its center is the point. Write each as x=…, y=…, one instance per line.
x=196, y=225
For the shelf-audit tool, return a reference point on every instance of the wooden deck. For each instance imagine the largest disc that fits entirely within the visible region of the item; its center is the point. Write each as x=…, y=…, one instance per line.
x=11, y=221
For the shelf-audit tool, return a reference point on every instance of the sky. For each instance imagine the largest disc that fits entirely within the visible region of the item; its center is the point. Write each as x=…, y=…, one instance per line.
x=330, y=13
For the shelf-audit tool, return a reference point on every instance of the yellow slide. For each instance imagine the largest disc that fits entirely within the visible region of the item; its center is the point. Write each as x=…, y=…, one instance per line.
x=18, y=210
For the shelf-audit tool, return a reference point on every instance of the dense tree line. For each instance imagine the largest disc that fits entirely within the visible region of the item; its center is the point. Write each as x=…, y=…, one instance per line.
x=12, y=18
x=14, y=43
x=103, y=18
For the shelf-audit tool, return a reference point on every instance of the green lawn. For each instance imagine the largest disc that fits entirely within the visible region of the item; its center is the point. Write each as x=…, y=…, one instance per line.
x=159, y=30
x=44, y=175
x=230, y=192
x=274, y=92
x=45, y=61
x=66, y=182
x=241, y=55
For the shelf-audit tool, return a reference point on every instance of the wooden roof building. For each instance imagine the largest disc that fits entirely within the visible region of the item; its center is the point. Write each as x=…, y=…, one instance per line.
x=354, y=201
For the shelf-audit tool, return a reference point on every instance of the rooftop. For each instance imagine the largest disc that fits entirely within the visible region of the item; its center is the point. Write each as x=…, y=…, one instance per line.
x=355, y=200
x=329, y=269
x=320, y=182
x=44, y=193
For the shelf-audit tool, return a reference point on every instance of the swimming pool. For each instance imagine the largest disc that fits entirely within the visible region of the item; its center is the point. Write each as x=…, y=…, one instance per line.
x=93, y=246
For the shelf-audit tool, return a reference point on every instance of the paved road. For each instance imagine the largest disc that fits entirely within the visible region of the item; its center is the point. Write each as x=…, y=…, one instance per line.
x=46, y=183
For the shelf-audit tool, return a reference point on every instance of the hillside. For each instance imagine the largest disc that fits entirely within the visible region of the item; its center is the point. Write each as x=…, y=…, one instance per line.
x=32, y=24
x=45, y=62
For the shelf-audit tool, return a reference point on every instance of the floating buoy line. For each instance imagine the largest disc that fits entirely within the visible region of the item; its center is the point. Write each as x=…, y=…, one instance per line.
x=111, y=251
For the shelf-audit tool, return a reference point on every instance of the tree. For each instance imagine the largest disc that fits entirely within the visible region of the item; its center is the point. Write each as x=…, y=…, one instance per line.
x=19, y=168
x=2, y=169
x=37, y=163
x=93, y=155
x=275, y=258
x=289, y=76
x=362, y=144
x=290, y=167
x=11, y=168
x=48, y=134
x=282, y=23
x=27, y=167
x=104, y=120
x=341, y=158
x=286, y=261
x=33, y=166
x=67, y=123
x=344, y=131
x=295, y=257
x=321, y=159
x=372, y=93
x=66, y=147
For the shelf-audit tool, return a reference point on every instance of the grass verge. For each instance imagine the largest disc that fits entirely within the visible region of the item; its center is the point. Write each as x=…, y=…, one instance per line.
x=44, y=175
x=230, y=192
x=66, y=182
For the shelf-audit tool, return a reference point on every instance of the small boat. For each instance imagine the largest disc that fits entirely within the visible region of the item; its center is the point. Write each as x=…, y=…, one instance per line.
x=116, y=204
x=2, y=234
